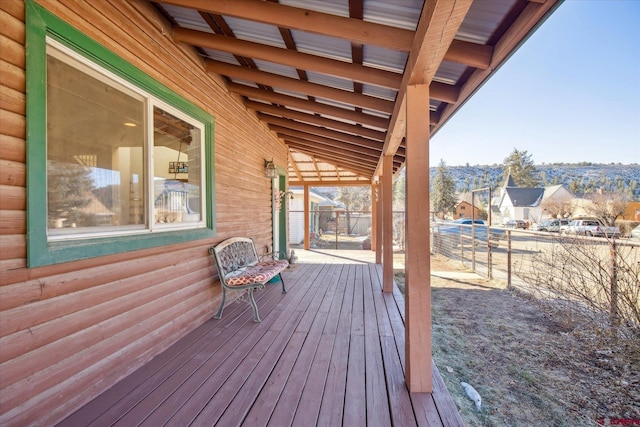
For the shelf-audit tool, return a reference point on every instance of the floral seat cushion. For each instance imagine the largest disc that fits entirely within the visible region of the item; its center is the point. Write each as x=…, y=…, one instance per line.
x=259, y=273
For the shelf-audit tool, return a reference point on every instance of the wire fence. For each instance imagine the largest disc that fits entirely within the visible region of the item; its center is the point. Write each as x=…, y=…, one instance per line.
x=600, y=272
x=596, y=272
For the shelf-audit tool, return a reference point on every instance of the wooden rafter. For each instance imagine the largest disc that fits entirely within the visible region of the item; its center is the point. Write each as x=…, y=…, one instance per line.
x=332, y=144
x=335, y=160
x=531, y=16
x=294, y=166
x=316, y=120
x=354, y=112
x=278, y=55
x=344, y=154
x=340, y=155
x=439, y=22
x=311, y=106
x=323, y=132
x=300, y=86
x=356, y=30
x=471, y=54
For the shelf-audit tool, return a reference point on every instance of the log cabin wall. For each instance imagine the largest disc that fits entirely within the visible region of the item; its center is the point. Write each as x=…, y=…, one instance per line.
x=69, y=331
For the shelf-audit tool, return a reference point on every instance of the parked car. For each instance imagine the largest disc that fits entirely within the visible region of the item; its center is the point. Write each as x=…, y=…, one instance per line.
x=635, y=233
x=449, y=232
x=516, y=223
x=591, y=227
x=551, y=225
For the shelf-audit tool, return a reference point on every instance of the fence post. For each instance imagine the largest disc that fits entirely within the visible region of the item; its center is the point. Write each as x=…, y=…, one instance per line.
x=473, y=245
x=615, y=318
x=508, y=259
x=489, y=271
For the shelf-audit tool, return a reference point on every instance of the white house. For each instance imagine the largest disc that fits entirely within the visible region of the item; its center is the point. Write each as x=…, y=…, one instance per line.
x=555, y=195
x=513, y=202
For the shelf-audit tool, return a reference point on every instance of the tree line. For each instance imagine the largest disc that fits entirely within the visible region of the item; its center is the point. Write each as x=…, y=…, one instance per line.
x=519, y=164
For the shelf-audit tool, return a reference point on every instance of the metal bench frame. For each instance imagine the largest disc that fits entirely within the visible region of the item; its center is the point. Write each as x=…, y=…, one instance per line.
x=233, y=257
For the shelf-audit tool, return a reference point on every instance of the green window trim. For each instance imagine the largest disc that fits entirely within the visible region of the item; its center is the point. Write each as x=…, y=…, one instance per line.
x=40, y=24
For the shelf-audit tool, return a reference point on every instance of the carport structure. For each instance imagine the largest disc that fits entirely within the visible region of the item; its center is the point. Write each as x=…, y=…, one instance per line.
x=355, y=89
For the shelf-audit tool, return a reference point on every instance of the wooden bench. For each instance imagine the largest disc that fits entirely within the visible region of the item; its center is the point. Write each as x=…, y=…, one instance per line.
x=240, y=268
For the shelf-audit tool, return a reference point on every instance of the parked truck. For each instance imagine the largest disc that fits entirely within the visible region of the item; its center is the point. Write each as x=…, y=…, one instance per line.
x=590, y=227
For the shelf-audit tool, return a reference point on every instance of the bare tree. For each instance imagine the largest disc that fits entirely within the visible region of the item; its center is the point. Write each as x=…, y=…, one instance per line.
x=607, y=207
x=557, y=208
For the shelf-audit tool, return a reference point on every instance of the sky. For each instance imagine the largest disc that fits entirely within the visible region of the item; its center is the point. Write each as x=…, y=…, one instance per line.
x=570, y=93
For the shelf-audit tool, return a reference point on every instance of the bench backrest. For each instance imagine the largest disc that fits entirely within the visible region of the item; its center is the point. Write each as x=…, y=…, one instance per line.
x=236, y=253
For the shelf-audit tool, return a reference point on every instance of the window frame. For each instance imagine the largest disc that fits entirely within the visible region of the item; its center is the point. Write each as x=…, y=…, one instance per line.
x=41, y=251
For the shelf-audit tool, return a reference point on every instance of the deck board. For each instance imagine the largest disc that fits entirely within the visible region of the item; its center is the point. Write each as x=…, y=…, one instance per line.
x=329, y=352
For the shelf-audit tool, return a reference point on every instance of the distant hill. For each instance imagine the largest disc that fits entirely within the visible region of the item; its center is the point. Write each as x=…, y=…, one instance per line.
x=578, y=178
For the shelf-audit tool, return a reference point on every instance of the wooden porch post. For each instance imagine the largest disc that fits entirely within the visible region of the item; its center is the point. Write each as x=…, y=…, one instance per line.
x=379, y=225
x=374, y=216
x=307, y=243
x=387, y=224
x=418, y=374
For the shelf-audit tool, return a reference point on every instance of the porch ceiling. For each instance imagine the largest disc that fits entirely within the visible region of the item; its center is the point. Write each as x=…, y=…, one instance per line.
x=330, y=76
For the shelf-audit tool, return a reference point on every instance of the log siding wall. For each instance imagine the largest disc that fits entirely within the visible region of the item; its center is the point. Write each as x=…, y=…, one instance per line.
x=69, y=331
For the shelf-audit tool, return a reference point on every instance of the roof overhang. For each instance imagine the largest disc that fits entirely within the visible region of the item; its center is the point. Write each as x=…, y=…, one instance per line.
x=330, y=77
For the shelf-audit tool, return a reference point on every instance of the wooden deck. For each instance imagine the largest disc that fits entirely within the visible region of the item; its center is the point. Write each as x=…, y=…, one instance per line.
x=330, y=352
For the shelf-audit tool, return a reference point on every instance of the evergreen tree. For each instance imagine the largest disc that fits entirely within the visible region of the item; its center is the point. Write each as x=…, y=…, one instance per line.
x=443, y=190
x=69, y=187
x=522, y=169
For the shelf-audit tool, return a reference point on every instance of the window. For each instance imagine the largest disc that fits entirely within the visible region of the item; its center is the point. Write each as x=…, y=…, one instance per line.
x=128, y=164
x=102, y=167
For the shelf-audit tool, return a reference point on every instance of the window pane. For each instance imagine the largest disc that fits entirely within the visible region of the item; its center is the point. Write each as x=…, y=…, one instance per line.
x=95, y=156
x=177, y=169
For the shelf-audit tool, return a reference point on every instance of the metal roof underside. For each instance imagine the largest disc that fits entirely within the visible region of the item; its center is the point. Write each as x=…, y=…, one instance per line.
x=329, y=76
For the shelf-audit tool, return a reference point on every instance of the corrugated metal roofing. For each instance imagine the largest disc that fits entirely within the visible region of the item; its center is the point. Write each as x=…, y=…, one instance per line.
x=354, y=65
x=397, y=13
x=327, y=47
x=255, y=32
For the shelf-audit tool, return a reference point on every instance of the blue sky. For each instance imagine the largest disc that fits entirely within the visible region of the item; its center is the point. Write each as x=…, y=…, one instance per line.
x=571, y=94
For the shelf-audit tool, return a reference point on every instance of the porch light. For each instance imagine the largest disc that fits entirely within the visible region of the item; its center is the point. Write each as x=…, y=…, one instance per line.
x=270, y=169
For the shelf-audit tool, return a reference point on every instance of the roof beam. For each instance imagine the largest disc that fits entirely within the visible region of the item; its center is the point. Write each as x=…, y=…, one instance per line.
x=312, y=106
x=438, y=25
x=284, y=132
x=295, y=85
x=444, y=92
x=471, y=54
x=344, y=151
x=343, y=155
x=334, y=161
x=517, y=33
x=288, y=57
x=355, y=181
x=294, y=166
x=317, y=130
x=344, y=148
x=315, y=166
x=337, y=161
x=316, y=120
x=295, y=18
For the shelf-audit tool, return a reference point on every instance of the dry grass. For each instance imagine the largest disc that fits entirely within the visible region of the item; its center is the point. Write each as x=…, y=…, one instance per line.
x=532, y=365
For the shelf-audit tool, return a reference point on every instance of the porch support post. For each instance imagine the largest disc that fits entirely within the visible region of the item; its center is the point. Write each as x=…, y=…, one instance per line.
x=379, y=224
x=418, y=374
x=387, y=224
x=373, y=216
x=307, y=243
